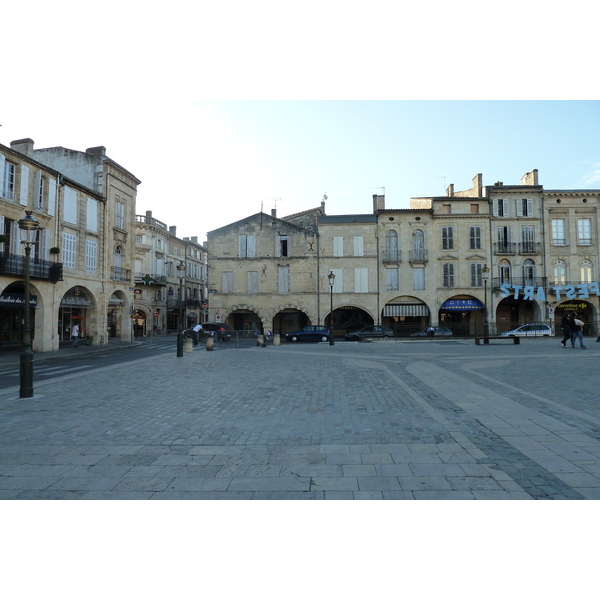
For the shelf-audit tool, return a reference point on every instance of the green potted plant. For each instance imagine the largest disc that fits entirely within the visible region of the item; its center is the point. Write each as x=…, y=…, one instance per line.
x=56, y=251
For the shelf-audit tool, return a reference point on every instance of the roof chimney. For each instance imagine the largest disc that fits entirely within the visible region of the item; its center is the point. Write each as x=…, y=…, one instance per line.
x=97, y=150
x=24, y=146
x=195, y=239
x=173, y=230
x=274, y=213
x=378, y=202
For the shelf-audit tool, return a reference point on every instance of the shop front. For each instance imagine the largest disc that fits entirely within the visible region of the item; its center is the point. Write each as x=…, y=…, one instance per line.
x=462, y=315
x=12, y=310
x=73, y=310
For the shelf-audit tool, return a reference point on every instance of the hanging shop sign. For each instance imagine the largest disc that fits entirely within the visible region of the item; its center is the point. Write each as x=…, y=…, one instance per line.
x=16, y=300
x=570, y=292
x=462, y=305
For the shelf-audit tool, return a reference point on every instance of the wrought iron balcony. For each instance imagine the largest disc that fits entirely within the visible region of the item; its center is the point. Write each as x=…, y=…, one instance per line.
x=417, y=257
x=14, y=264
x=120, y=274
x=505, y=248
x=516, y=281
x=151, y=279
x=530, y=248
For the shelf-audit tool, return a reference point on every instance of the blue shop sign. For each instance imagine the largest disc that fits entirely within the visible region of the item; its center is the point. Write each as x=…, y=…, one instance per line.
x=462, y=305
x=11, y=299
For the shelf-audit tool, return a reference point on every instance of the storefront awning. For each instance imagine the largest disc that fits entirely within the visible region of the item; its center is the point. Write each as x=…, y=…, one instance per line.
x=462, y=305
x=405, y=310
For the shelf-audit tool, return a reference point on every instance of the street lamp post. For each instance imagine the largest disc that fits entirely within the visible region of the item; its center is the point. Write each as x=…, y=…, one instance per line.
x=331, y=277
x=181, y=272
x=485, y=272
x=29, y=227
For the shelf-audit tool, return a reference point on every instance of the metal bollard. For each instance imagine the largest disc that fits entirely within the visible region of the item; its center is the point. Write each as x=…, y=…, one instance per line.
x=210, y=343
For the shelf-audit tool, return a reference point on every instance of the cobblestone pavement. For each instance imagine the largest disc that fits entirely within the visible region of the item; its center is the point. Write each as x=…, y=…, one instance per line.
x=382, y=420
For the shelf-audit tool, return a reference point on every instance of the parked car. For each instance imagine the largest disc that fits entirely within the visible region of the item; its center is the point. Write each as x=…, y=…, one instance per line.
x=222, y=331
x=529, y=330
x=371, y=331
x=310, y=333
x=438, y=331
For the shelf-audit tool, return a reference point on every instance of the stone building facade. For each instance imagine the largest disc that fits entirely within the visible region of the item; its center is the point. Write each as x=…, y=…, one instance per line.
x=85, y=203
x=490, y=256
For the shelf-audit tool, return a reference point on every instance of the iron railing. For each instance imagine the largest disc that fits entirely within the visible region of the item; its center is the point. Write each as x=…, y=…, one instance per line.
x=14, y=264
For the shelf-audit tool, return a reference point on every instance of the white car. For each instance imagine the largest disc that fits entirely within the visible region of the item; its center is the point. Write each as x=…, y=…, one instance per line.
x=530, y=330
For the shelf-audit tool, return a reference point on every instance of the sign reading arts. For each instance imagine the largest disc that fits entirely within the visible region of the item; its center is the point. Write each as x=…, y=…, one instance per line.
x=530, y=292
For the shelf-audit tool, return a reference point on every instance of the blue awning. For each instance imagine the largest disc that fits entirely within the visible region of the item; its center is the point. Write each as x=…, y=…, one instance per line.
x=462, y=305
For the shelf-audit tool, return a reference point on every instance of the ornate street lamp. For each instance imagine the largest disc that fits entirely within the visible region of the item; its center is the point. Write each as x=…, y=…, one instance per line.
x=181, y=273
x=29, y=227
x=485, y=273
x=331, y=277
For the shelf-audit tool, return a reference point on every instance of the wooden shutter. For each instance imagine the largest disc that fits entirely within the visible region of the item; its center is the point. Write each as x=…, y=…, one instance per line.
x=51, y=197
x=24, y=191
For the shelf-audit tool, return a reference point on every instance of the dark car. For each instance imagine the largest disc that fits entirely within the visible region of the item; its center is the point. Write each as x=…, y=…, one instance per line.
x=371, y=331
x=437, y=331
x=221, y=330
x=310, y=333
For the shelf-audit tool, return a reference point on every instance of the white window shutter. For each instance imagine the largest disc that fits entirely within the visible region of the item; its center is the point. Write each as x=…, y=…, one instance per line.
x=252, y=245
x=529, y=207
x=358, y=245
x=277, y=245
x=519, y=205
x=506, y=207
x=51, y=197
x=242, y=246
x=24, y=192
x=15, y=238
x=45, y=244
x=495, y=210
x=2, y=233
x=2, y=167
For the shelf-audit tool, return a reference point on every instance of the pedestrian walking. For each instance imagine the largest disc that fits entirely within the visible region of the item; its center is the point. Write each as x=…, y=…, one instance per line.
x=197, y=329
x=577, y=332
x=75, y=335
x=564, y=325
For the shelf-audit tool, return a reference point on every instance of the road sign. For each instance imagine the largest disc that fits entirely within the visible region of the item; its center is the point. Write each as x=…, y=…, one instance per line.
x=204, y=305
x=205, y=311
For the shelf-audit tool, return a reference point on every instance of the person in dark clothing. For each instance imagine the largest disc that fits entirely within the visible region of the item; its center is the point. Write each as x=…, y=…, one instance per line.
x=564, y=325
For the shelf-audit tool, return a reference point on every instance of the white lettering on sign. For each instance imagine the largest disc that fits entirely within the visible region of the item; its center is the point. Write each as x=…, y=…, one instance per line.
x=581, y=291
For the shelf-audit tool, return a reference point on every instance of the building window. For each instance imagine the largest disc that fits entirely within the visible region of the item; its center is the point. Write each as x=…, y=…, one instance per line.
x=68, y=250
x=558, y=232
x=475, y=237
x=560, y=272
x=528, y=238
x=525, y=207
x=504, y=270
x=283, y=280
x=528, y=272
x=91, y=255
x=476, y=275
x=227, y=282
x=419, y=278
x=501, y=208
x=120, y=215
x=361, y=281
x=584, y=232
x=391, y=279
x=447, y=238
x=253, y=282
x=92, y=215
x=7, y=179
x=448, y=274
x=338, y=246
x=586, y=271
x=446, y=209
x=69, y=205
x=138, y=239
x=391, y=246
x=418, y=246
x=282, y=246
x=474, y=208
x=359, y=249
x=504, y=239
x=247, y=246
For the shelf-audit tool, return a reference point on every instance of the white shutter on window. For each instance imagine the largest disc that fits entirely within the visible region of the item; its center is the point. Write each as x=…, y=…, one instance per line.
x=2, y=167
x=495, y=209
x=529, y=207
x=51, y=197
x=15, y=238
x=519, y=205
x=338, y=246
x=358, y=245
x=242, y=246
x=2, y=233
x=24, y=192
x=45, y=244
x=506, y=207
x=361, y=281
x=252, y=246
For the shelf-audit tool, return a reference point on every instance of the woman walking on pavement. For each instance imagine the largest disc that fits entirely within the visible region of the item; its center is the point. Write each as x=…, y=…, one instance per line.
x=564, y=325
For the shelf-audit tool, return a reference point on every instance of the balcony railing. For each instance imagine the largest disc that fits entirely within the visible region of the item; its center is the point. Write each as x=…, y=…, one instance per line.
x=530, y=248
x=14, y=264
x=505, y=248
x=120, y=274
x=417, y=257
